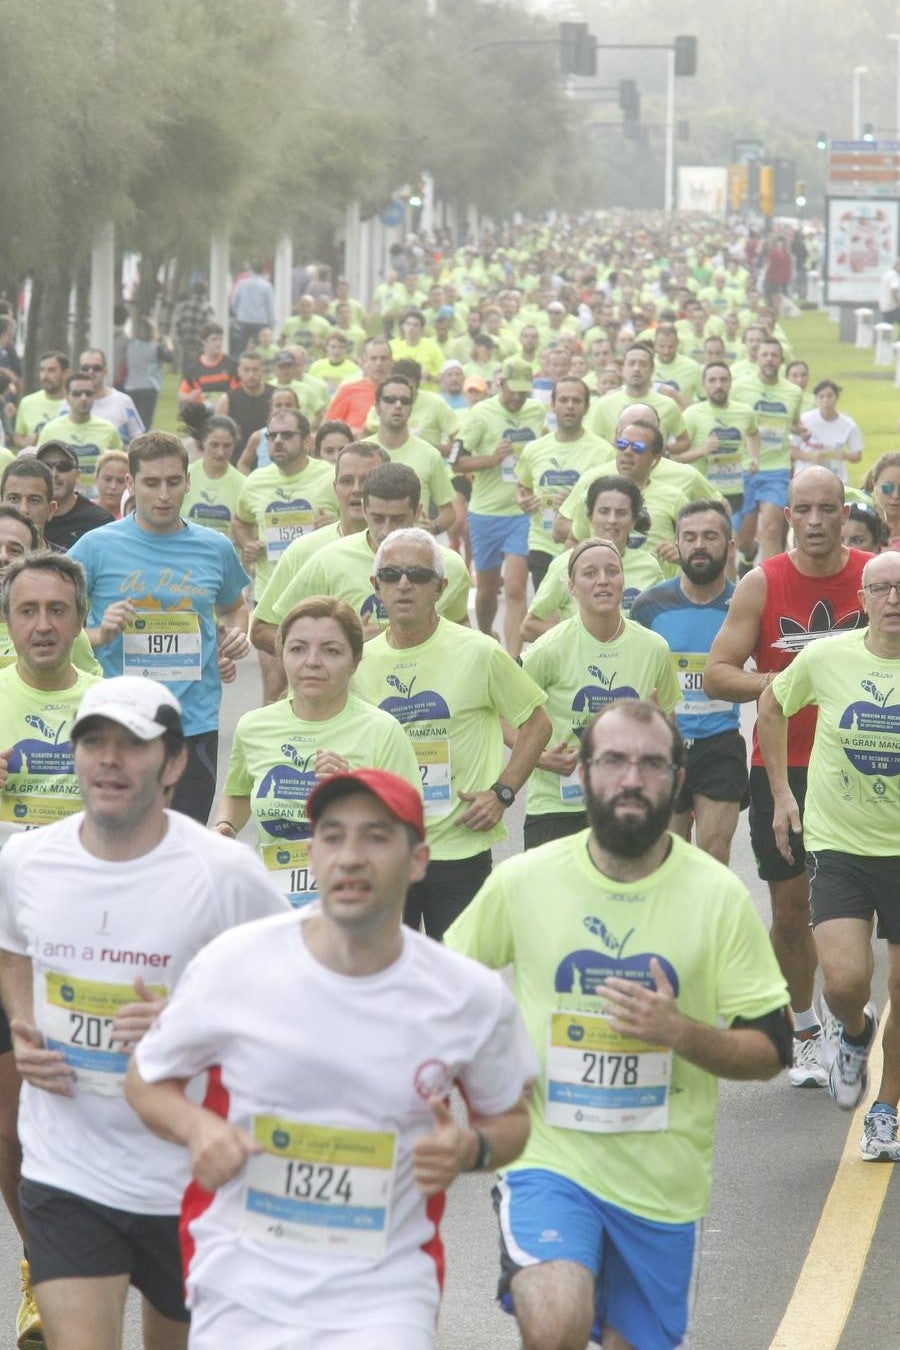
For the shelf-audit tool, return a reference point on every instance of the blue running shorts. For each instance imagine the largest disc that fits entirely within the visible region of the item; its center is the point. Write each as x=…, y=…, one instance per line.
x=646, y=1273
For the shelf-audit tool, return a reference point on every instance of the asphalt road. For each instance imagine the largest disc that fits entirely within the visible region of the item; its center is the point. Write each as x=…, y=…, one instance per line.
x=777, y=1155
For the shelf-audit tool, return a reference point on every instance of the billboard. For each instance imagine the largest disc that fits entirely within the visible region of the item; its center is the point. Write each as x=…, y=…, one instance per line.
x=862, y=243
x=703, y=188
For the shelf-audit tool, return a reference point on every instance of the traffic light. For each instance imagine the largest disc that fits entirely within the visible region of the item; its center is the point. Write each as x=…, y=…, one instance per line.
x=822, y=141
x=767, y=189
x=577, y=50
x=738, y=182
x=417, y=193
x=868, y=132
x=800, y=192
x=587, y=57
x=630, y=100
x=685, y=55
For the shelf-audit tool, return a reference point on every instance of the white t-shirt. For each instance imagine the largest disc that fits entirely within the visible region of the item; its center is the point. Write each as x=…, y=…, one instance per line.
x=841, y=433
x=335, y=1054
x=889, y=291
x=90, y=927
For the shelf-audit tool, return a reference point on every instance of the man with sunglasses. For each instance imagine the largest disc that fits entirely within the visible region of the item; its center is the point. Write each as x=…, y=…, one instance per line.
x=394, y=399
x=780, y=607
x=449, y=687
x=79, y=426
x=390, y=501
x=850, y=832
x=643, y=974
x=638, y=444
x=74, y=514
x=110, y=403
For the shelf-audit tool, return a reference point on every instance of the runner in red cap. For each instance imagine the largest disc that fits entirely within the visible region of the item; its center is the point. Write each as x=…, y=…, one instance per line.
x=322, y=1153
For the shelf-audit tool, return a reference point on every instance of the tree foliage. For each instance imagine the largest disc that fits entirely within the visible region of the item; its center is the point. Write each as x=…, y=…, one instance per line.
x=177, y=120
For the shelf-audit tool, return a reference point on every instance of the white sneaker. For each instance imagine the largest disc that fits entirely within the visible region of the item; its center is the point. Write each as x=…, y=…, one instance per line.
x=831, y=1032
x=879, y=1138
x=807, y=1069
x=849, y=1075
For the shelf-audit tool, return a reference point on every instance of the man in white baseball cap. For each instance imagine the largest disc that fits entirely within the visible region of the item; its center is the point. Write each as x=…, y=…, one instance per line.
x=99, y=915
x=144, y=707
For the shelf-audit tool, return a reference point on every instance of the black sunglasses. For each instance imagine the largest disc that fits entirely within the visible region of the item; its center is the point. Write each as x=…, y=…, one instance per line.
x=419, y=576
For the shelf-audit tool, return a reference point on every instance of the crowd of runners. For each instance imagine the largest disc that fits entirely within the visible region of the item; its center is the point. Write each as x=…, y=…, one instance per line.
x=537, y=517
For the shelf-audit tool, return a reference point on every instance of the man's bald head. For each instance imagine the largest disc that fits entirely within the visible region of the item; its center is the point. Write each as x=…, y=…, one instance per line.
x=818, y=477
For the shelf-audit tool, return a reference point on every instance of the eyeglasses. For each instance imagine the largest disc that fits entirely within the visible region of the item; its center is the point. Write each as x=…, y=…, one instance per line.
x=637, y=446
x=418, y=576
x=282, y=435
x=88, y=370
x=403, y=399
x=648, y=766
x=889, y=488
x=882, y=588
x=81, y=393
x=61, y=465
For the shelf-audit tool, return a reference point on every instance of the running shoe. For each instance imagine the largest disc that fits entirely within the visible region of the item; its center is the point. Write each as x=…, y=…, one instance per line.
x=807, y=1069
x=849, y=1075
x=831, y=1032
x=879, y=1141
x=29, y=1334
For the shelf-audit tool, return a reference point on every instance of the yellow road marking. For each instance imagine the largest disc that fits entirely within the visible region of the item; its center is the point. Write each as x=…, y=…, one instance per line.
x=827, y=1284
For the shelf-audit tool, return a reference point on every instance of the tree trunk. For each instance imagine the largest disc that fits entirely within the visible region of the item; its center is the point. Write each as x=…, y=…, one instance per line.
x=147, y=293
x=81, y=324
x=48, y=319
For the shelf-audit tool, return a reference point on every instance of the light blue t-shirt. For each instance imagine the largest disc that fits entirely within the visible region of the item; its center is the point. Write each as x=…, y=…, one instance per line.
x=690, y=630
x=175, y=581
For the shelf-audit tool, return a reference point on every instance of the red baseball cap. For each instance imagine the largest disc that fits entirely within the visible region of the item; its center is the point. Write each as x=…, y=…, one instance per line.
x=397, y=794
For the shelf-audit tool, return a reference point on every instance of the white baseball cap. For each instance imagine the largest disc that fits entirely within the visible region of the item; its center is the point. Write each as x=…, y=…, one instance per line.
x=144, y=707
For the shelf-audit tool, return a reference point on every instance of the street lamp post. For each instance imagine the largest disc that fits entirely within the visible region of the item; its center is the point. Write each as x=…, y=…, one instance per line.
x=858, y=72
x=670, y=130
x=895, y=37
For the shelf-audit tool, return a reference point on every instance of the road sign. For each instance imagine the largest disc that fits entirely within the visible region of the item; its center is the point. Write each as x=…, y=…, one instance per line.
x=393, y=214
x=863, y=169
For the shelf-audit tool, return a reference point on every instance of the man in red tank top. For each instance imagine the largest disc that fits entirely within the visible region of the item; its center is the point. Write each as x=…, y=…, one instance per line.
x=808, y=593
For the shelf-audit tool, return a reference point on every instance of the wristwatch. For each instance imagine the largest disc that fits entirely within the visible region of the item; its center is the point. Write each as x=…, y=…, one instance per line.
x=505, y=795
x=483, y=1156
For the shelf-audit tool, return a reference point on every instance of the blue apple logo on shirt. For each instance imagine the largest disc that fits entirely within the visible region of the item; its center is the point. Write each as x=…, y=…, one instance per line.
x=372, y=608
x=47, y=756
x=425, y=706
x=289, y=783
x=206, y=511
x=556, y=477
x=590, y=698
x=584, y=972
x=729, y=439
x=873, y=724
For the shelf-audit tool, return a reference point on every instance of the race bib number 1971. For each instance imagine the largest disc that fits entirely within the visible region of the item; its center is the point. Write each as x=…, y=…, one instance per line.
x=164, y=645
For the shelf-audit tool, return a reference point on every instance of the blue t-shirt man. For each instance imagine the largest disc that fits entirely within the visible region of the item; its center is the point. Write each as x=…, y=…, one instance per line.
x=689, y=629
x=158, y=586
